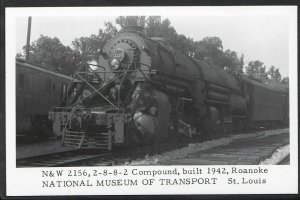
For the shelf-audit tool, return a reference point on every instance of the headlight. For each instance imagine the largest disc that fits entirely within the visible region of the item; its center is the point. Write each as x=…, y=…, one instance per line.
x=115, y=64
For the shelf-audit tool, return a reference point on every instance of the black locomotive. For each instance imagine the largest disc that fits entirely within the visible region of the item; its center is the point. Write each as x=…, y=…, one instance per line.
x=143, y=87
x=37, y=91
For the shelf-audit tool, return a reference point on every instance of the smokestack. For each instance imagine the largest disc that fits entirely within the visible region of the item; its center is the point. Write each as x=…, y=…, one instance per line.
x=131, y=24
x=28, y=38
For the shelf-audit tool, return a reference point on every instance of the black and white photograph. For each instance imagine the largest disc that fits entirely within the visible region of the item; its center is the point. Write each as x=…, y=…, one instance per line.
x=164, y=97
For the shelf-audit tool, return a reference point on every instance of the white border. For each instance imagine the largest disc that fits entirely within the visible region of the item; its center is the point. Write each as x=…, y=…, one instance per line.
x=283, y=179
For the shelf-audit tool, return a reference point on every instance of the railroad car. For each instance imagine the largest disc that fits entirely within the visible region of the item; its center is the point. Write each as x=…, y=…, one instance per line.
x=37, y=91
x=143, y=87
x=267, y=105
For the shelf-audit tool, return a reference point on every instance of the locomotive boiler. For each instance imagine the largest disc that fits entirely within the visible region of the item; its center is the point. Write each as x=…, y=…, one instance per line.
x=143, y=88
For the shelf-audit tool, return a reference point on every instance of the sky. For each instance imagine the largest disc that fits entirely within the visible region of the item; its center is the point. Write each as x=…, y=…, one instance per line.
x=261, y=37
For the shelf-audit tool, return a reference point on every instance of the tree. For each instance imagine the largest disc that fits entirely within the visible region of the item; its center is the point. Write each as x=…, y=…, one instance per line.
x=233, y=63
x=122, y=20
x=211, y=48
x=213, y=42
x=183, y=43
x=141, y=21
x=274, y=74
x=277, y=76
x=154, y=26
x=109, y=31
x=20, y=55
x=88, y=48
x=263, y=75
x=255, y=69
x=271, y=72
x=51, y=54
x=241, y=64
x=285, y=81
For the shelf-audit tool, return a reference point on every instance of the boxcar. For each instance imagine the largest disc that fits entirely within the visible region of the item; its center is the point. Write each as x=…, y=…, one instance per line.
x=37, y=91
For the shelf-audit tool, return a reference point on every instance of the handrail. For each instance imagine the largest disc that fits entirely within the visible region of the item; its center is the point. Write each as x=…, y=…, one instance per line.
x=123, y=73
x=101, y=87
x=92, y=71
x=121, y=85
x=79, y=66
x=98, y=92
x=116, y=71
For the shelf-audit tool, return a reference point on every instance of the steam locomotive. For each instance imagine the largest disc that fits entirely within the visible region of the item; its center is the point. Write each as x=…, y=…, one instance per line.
x=142, y=88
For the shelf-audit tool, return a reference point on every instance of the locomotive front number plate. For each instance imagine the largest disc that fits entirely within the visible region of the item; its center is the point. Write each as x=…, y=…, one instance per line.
x=119, y=54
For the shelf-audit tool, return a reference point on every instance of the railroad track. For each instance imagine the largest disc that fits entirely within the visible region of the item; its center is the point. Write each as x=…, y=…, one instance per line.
x=250, y=150
x=63, y=159
x=284, y=161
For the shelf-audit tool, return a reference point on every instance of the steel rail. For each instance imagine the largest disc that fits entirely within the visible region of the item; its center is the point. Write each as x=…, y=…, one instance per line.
x=64, y=158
